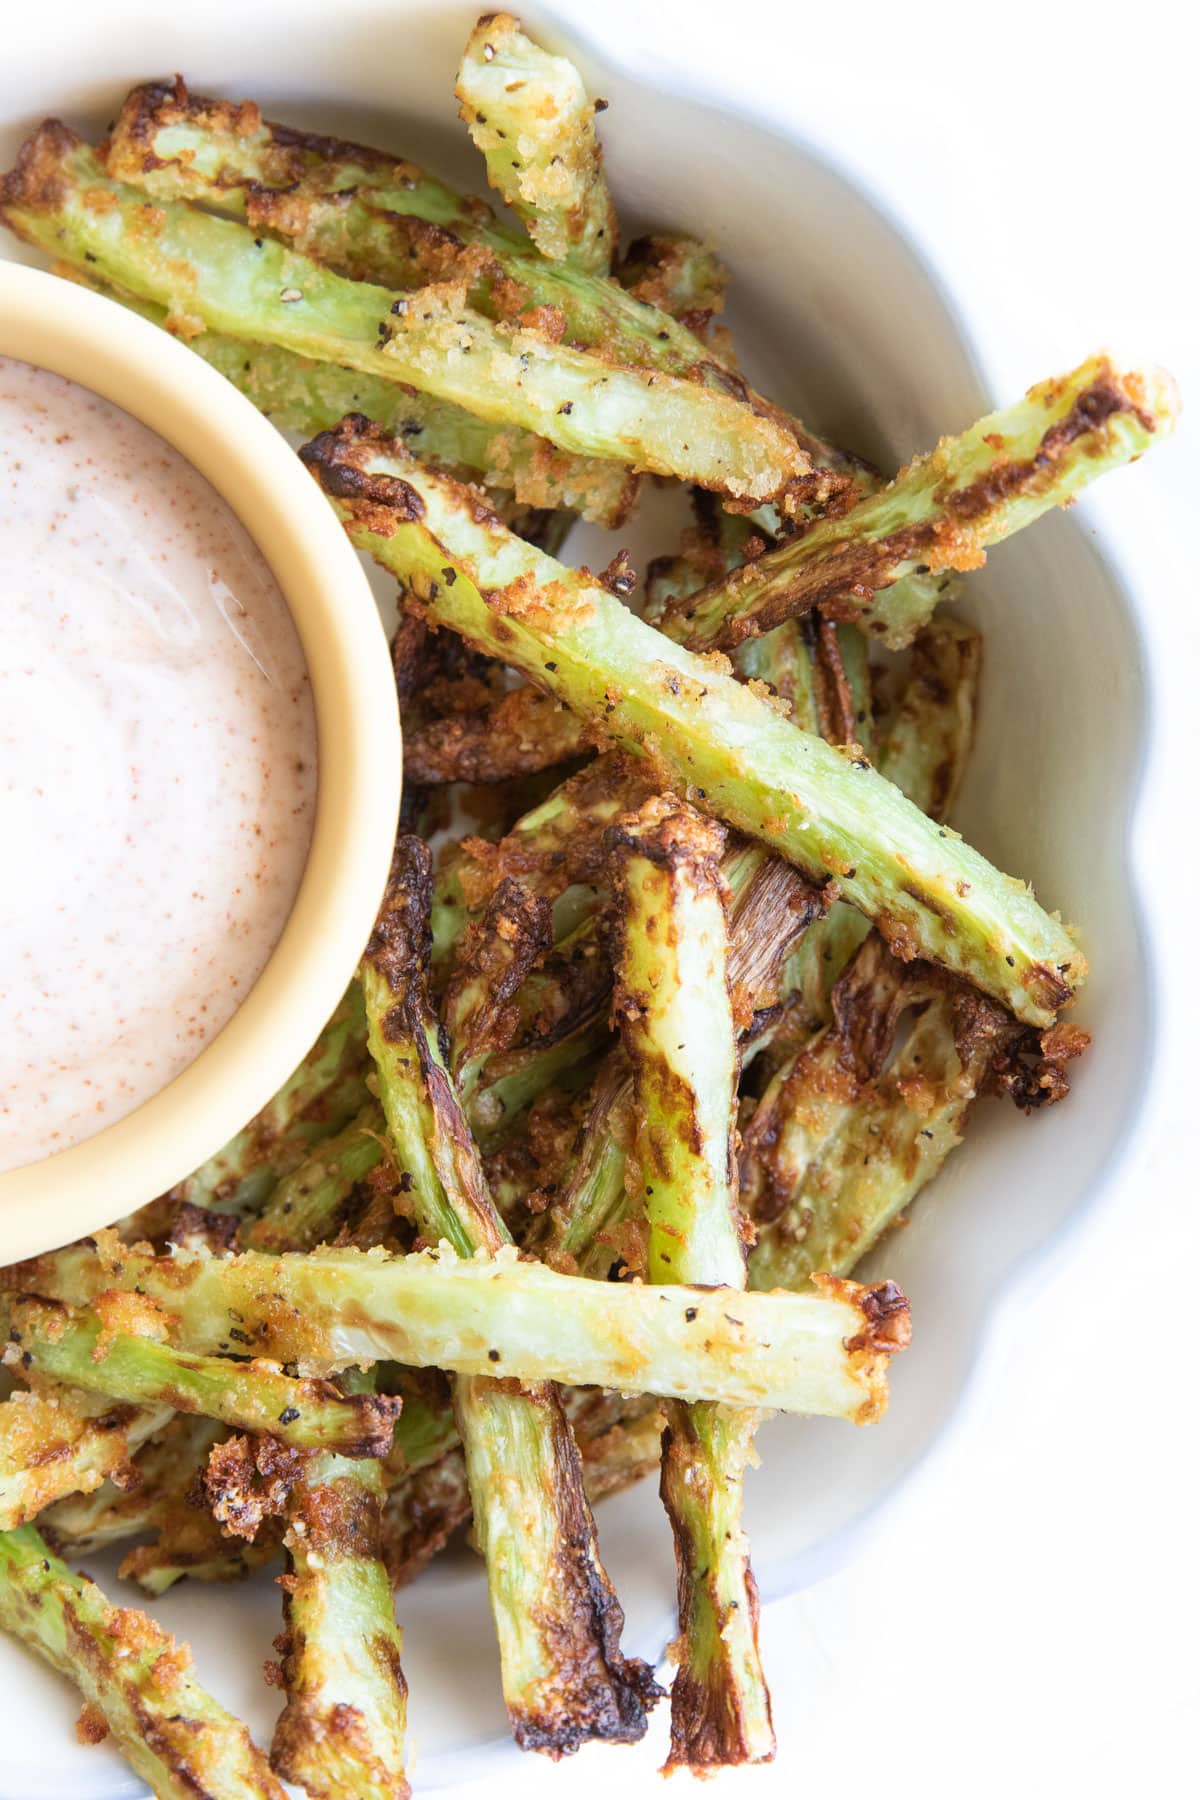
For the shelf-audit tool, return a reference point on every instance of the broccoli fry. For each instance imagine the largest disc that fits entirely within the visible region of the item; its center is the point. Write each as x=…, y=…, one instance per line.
x=323, y=1093
x=821, y=1352
x=298, y=394
x=944, y=510
x=136, y=1681
x=529, y=114
x=118, y=1351
x=342, y=1728
x=824, y=809
x=675, y=1010
x=547, y=1584
x=213, y=273
x=61, y=1442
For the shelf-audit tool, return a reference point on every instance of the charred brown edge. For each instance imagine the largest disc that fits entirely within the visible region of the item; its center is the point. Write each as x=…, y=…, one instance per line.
x=756, y=959
x=34, y=182
x=402, y=936
x=835, y=702
x=341, y=1520
x=847, y=580
x=201, y=1227
x=336, y=457
x=707, y=1729
x=488, y=746
x=1030, y=1066
x=247, y=1480
x=673, y=836
x=1021, y=1055
x=883, y=1308
x=602, y=1694
x=399, y=950
x=147, y=109
x=498, y=949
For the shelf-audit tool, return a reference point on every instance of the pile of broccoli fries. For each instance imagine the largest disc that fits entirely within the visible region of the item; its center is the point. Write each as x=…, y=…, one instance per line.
x=639, y=1065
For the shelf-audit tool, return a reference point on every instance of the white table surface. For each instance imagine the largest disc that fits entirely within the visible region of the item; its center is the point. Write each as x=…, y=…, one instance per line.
x=1024, y=1617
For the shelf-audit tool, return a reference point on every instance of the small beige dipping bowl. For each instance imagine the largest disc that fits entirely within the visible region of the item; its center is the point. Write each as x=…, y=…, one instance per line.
x=93, y=341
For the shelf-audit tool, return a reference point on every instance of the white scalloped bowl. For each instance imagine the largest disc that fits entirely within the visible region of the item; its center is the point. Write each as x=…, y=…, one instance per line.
x=836, y=316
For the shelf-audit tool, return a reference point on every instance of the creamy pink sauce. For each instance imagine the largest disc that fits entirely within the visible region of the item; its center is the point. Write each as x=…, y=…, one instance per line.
x=157, y=763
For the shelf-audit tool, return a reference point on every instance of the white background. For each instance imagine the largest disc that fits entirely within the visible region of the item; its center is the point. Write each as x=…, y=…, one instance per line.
x=1024, y=1618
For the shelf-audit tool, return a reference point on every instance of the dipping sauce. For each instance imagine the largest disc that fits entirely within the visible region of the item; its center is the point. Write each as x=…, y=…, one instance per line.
x=157, y=763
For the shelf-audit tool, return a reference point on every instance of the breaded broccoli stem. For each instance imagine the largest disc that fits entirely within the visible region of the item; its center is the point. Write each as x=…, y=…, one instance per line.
x=342, y=1729
x=118, y=1350
x=214, y=274
x=376, y=216
x=720, y=1704
x=771, y=909
x=924, y=739
x=187, y=1543
x=943, y=511
x=557, y=1618
x=323, y=1093
x=674, y=1006
x=518, y=734
x=137, y=1683
x=847, y=1133
x=56, y=1443
x=305, y=1208
x=495, y=954
x=824, y=809
x=923, y=736
x=683, y=276
x=166, y=1466
x=530, y=117
x=823, y=1351
x=298, y=394
x=423, y=1509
